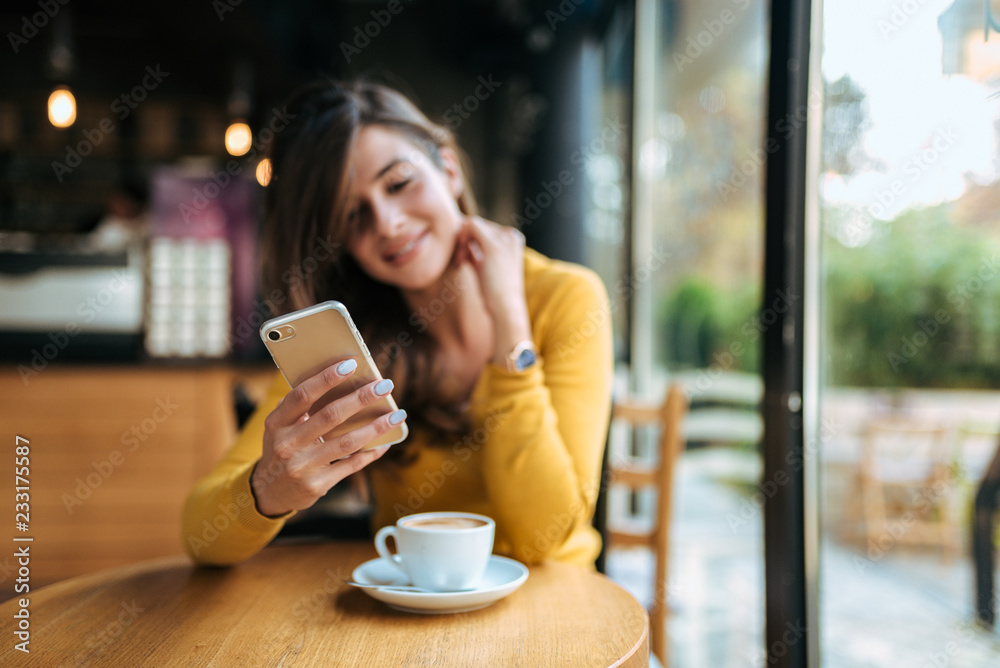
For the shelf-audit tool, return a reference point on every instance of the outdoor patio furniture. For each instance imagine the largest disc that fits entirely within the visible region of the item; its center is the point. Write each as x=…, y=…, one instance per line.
x=904, y=481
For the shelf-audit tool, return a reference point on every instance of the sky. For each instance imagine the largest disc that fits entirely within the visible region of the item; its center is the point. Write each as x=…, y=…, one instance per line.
x=933, y=133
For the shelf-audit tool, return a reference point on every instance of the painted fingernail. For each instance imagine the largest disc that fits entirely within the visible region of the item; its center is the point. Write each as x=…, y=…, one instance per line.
x=346, y=367
x=384, y=387
x=397, y=417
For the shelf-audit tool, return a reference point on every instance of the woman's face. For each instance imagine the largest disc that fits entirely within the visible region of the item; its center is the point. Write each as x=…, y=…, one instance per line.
x=405, y=207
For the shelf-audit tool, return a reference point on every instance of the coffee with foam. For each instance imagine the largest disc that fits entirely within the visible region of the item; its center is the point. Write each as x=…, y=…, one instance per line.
x=443, y=523
x=439, y=551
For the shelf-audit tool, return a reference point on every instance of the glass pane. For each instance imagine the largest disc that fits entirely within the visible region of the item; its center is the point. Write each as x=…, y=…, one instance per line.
x=910, y=252
x=702, y=159
x=607, y=160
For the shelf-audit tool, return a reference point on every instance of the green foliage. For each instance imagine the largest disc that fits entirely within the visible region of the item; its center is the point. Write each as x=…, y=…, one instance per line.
x=703, y=326
x=916, y=306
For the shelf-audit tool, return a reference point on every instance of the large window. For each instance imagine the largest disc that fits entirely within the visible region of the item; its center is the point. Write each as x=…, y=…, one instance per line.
x=910, y=325
x=694, y=283
x=907, y=100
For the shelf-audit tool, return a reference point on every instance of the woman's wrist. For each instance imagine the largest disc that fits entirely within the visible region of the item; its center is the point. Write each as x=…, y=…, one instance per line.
x=257, y=490
x=507, y=335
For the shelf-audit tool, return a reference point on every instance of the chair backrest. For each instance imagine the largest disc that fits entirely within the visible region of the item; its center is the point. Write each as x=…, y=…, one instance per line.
x=623, y=469
x=902, y=451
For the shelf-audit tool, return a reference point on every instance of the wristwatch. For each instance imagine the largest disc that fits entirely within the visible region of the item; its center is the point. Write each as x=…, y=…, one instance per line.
x=522, y=357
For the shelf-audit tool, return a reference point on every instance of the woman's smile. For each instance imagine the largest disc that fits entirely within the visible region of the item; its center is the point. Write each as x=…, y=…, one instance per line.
x=405, y=250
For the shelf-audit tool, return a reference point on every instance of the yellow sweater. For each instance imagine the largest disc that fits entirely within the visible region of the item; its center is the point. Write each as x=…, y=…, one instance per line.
x=532, y=460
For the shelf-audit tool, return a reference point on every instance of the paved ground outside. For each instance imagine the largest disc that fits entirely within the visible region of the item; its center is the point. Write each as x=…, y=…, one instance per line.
x=906, y=607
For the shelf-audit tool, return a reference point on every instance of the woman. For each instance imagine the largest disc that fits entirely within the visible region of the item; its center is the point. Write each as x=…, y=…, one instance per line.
x=500, y=357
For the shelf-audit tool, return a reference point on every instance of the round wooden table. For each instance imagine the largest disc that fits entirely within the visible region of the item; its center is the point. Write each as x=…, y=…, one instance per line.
x=290, y=606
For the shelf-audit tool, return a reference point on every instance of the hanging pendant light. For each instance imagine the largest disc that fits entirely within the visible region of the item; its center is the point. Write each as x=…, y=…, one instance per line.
x=238, y=134
x=238, y=138
x=62, y=102
x=263, y=172
x=62, y=107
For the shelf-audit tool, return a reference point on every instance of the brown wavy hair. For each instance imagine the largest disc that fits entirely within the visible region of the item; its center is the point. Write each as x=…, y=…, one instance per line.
x=306, y=231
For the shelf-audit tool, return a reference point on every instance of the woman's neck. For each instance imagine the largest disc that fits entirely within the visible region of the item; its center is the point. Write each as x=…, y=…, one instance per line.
x=452, y=311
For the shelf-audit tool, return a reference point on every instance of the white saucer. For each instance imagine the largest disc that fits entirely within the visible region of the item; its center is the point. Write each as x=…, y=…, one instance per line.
x=502, y=577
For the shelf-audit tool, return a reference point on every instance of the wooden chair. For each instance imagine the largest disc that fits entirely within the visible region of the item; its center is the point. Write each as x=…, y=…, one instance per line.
x=905, y=486
x=631, y=472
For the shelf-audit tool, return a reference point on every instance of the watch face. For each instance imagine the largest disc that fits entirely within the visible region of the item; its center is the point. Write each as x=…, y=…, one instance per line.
x=525, y=359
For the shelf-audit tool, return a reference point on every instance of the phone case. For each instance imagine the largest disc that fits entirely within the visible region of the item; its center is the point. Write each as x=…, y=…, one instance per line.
x=305, y=342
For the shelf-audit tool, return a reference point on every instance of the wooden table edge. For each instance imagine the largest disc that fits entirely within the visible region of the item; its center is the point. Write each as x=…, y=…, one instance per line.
x=102, y=577
x=642, y=642
x=98, y=580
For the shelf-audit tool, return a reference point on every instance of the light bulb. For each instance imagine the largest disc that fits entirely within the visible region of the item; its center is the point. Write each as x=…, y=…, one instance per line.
x=263, y=172
x=238, y=138
x=62, y=108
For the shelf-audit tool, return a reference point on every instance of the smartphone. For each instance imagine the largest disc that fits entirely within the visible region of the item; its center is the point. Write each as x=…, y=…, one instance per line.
x=305, y=342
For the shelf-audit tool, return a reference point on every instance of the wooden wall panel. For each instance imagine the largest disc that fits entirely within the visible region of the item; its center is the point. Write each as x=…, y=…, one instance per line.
x=113, y=454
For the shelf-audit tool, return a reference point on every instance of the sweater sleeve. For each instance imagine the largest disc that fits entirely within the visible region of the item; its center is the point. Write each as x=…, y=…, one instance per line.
x=220, y=523
x=547, y=426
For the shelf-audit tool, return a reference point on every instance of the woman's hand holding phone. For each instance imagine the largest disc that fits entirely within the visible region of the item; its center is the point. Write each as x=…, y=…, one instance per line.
x=298, y=466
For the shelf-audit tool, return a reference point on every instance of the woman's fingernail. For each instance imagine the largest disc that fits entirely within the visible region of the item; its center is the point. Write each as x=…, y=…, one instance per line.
x=346, y=367
x=382, y=448
x=384, y=387
x=397, y=417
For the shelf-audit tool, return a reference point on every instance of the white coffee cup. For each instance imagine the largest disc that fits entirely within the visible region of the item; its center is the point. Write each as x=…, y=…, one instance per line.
x=442, y=551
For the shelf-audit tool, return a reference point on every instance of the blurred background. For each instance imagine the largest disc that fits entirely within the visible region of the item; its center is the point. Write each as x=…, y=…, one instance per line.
x=629, y=137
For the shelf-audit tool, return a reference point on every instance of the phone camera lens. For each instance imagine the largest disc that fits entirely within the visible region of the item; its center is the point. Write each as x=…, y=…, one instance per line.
x=274, y=335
